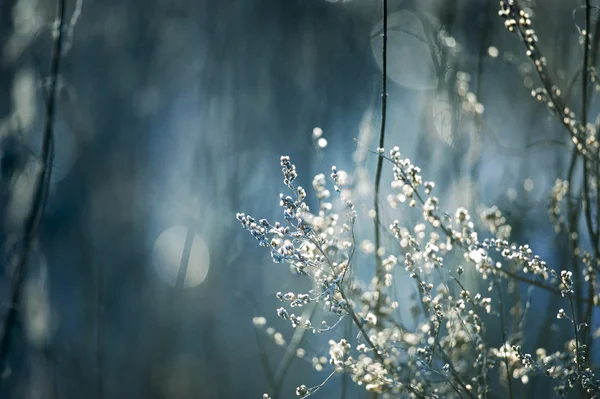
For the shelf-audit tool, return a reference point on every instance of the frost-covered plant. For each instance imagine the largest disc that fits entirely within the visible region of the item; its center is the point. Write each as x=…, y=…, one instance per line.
x=449, y=350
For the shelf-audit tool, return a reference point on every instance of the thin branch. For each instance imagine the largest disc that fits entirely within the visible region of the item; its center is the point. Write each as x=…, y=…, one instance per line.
x=290, y=352
x=504, y=340
x=360, y=325
x=378, y=268
x=264, y=360
x=584, y=111
x=577, y=344
x=594, y=234
x=40, y=195
x=506, y=272
x=535, y=55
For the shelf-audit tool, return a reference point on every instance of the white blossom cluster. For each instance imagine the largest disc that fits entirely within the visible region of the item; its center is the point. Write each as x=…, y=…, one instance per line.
x=449, y=347
x=446, y=354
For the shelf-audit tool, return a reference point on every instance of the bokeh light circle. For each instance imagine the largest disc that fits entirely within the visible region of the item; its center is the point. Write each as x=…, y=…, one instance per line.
x=167, y=253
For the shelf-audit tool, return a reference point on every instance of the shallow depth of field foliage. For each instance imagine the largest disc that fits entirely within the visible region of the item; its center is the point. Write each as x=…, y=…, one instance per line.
x=470, y=325
x=299, y=198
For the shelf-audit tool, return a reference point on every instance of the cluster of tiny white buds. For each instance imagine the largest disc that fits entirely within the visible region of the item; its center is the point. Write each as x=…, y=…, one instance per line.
x=570, y=120
x=297, y=321
x=525, y=358
x=559, y=191
x=540, y=94
x=566, y=279
x=594, y=78
x=289, y=170
x=389, y=262
x=336, y=179
x=428, y=185
x=462, y=215
x=512, y=15
x=371, y=319
x=430, y=211
x=294, y=208
x=517, y=19
x=298, y=300
x=283, y=313
x=318, y=242
x=302, y=391
x=338, y=351
x=301, y=193
x=336, y=307
x=407, y=178
x=258, y=230
x=522, y=254
x=562, y=314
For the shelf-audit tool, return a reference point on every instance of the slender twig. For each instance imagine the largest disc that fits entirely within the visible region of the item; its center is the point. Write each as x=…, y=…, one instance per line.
x=586, y=169
x=316, y=388
x=505, y=272
x=485, y=368
x=290, y=352
x=591, y=63
x=573, y=222
x=360, y=325
x=40, y=195
x=504, y=341
x=577, y=344
x=378, y=267
x=559, y=107
x=264, y=360
x=538, y=284
x=185, y=258
x=454, y=372
x=584, y=111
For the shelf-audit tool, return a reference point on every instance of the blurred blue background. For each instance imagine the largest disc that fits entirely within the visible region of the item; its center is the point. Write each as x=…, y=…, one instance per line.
x=172, y=116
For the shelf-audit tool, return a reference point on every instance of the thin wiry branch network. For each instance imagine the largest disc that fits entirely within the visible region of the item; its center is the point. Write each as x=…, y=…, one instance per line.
x=449, y=348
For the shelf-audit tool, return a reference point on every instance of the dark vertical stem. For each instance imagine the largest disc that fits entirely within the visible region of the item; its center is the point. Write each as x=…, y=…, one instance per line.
x=577, y=344
x=482, y=51
x=587, y=201
x=504, y=338
x=378, y=269
x=584, y=111
x=185, y=258
x=379, y=272
x=573, y=225
x=592, y=276
x=40, y=195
